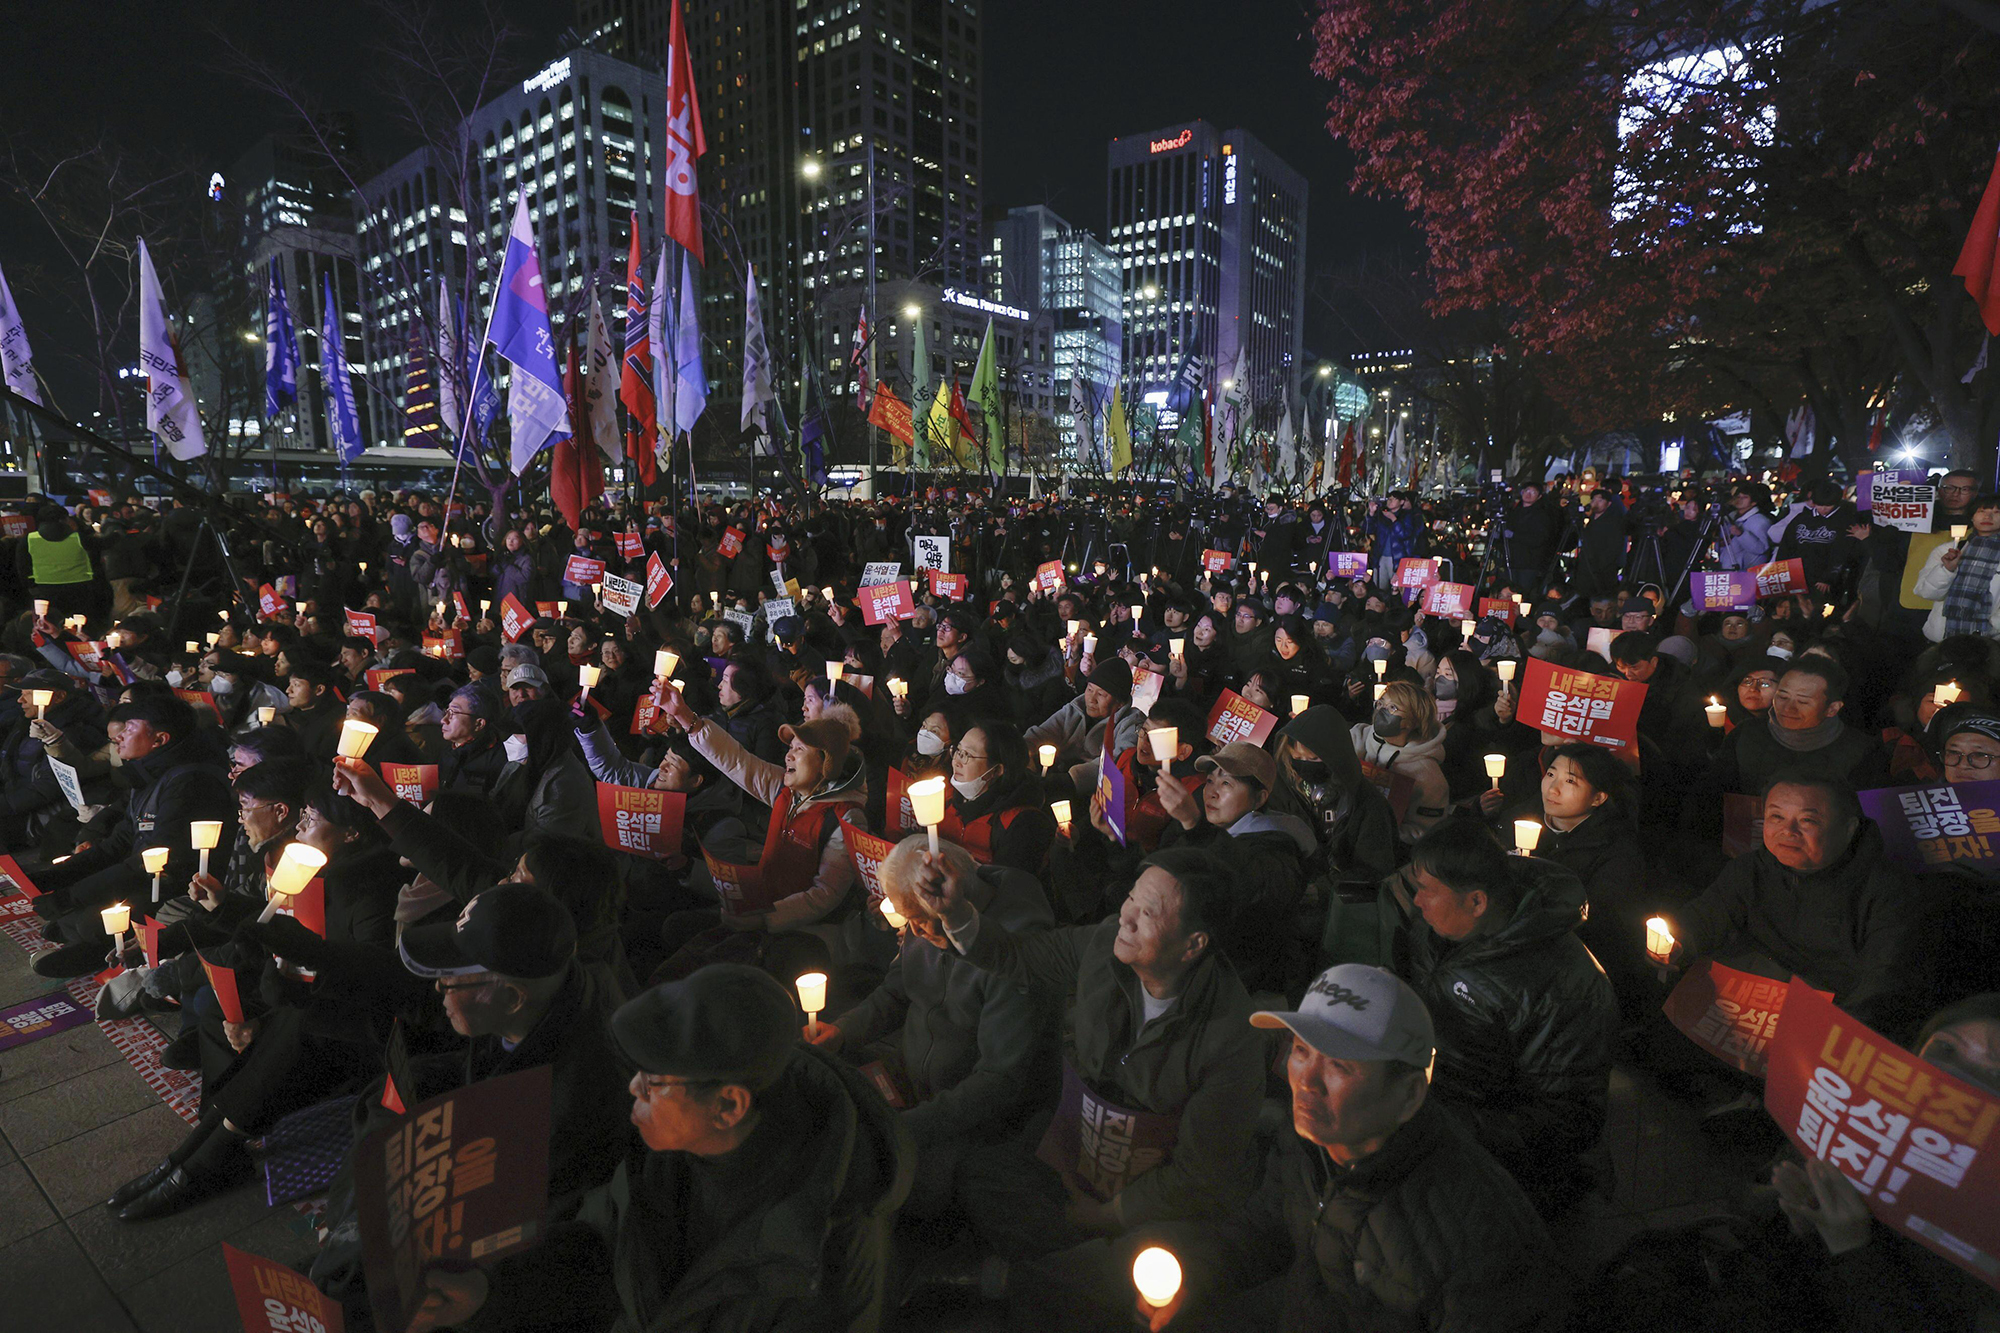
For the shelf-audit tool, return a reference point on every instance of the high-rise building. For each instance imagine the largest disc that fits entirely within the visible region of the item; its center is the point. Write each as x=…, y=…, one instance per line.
x=843, y=153
x=578, y=139
x=1209, y=227
x=1039, y=263
x=299, y=212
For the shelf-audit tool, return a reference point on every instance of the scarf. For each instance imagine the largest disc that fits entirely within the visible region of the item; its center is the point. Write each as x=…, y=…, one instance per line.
x=1813, y=738
x=1968, y=603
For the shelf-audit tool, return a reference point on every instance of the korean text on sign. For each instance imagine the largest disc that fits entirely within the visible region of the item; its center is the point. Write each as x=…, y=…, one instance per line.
x=1235, y=718
x=1931, y=828
x=1576, y=704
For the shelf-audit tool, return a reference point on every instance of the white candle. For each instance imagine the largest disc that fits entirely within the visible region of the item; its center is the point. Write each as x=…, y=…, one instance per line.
x=1089, y=645
x=41, y=608
x=834, y=670
x=1157, y=1276
x=1506, y=666
x=664, y=662
x=586, y=675
x=898, y=688
x=155, y=861
x=1958, y=531
x=193, y=646
x=1466, y=627
x=1381, y=667
x=1300, y=702
x=1947, y=693
x=1060, y=809
x=927, y=802
x=1718, y=713
x=1659, y=938
x=266, y=715
x=1176, y=645
x=1048, y=757
x=117, y=919
x=355, y=738
x=41, y=699
x=562, y=608
x=295, y=869
x=1527, y=832
x=812, y=996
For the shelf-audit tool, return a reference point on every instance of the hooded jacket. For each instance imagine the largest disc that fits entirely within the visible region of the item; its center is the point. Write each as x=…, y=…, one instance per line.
x=1428, y=1235
x=1861, y=928
x=1267, y=851
x=1200, y=1060
x=976, y=1047
x=762, y=781
x=1525, y=1021
x=811, y=1256
x=1423, y=761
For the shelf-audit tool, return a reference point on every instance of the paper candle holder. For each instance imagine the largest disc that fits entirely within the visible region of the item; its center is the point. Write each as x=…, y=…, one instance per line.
x=355, y=738
x=1047, y=754
x=1300, y=702
x=1156, y=1274
x=295, y=869
x=154, y=859
x=266, y=715
x=587, y=675
x=1496, y=767
x=1527, y=833
x=1166, y=743
x=1506, y=666
x=834, y=671
x=664, y=662
x=117, y=919
x=1659, y=938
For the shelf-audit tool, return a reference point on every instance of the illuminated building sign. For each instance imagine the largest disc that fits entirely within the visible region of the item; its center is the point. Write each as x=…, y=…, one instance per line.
x=1181, y=140
x=971, y=302
x=549, y=77
x=1228, y=175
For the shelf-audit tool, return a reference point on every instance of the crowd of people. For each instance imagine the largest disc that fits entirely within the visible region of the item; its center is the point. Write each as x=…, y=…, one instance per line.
x=1281, y=1002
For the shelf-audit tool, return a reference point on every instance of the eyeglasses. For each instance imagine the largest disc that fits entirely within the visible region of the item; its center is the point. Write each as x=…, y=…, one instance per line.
x=1959, y=488
x=960, y=752
x=446, y=987
x=1978, y=760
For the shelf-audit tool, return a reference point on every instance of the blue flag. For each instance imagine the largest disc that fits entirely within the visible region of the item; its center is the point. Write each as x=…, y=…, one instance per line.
x=281, y=348
x=481, y=393
x=1185, y=391
x=813, y=433
x=536, y=408
x=343, y=427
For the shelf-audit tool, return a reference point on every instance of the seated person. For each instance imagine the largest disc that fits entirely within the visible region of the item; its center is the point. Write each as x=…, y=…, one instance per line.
x=1821, y=899
x=1526, y=1020
x=1368, y=1158
x=1081, y=729
x=763, y=1195
x=972, y=1051
x=995, y=808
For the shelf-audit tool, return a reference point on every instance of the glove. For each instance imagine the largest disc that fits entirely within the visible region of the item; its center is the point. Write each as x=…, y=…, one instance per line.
x=582, y=716
x=289, y=938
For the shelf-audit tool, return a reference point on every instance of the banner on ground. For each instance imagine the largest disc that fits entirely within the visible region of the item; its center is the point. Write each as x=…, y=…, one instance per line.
x=1579, y=706
x=1235, y=718
x=1725, y=590
x=884, y=602
x=1934, y=827
x=1730, y=1014
x=621, y=596
x=1910, y=1137
x=642, y=820
x=463, y=1179
x=42, y=1016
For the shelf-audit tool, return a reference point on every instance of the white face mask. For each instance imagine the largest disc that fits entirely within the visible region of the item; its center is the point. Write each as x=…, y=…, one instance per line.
x=929, y=743
x=174, y=677
x=970, y=788
x=955, y=683
x=516, y=748
x=220, y=685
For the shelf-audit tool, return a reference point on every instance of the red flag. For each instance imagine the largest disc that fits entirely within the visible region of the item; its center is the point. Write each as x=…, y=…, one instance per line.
x=635, y=377
x=960, y=414
x=1979, y=260
x=1875, y=429
x=1344, y=469
x=685, y=142
x=576, y=470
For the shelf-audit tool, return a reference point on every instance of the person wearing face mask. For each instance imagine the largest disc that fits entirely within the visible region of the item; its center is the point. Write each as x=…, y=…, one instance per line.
x=1356, y=829
x=930, y=752
x=995, y=809
x=1401, y=748
x=1034, y=673
x=972, y=682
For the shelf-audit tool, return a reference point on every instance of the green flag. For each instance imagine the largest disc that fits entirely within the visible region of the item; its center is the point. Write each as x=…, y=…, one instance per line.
x=984, y=400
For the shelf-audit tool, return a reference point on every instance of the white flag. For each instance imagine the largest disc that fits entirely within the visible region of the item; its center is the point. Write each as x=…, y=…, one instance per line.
x=690, y=379
x=1330, y=458
x=17, y=363
x=446, y=369
x=1288, y=450
x=600, y=383
x=663, y=357
x=170, y=407
x=1395, y=467
x=756, y=363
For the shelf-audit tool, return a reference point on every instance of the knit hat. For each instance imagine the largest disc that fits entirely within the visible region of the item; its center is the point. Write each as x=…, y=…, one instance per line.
x=400, y=525
x=1114, y=678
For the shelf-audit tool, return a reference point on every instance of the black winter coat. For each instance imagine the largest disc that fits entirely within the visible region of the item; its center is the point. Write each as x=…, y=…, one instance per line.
x=1526, y=1022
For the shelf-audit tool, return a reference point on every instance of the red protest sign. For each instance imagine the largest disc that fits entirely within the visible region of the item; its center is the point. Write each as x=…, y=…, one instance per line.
x=583, y=571
x=630, y=547
x=549, y=610
x=374, y=677
x=458, y=604
x=1453, y=600
x=268, y=604
x=1235, y=718
x=948, y=586
x=732, y=543
x=200, y=699
x=641, y=820
x=1905, y=1133
x=415, y=783
x=658, y=581
x=1578, y=706
x=1730, y=1014
x=10, y=870
x=149, y=939
x=867, y=851
x=1215, y=562
x=740, y=887
x=445, y=647
x=272, y=1298
x=514, y=618
x=1500, y=607
x=222, y=981
x=363, y=624
x=648, y=718
x=1049, y=574
x=1781, y=576
x=887, y=601
x=309, y=906
x=897, y=812
x=86, y=654
x=463, y=1179
x=1415, y=572
x=14, y=525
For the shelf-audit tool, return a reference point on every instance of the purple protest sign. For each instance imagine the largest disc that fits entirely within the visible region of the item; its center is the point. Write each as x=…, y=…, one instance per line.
x=43, y=1016
x=1347, y=564
x=1111, y=786
x=1932, y=827
x=1725, y=590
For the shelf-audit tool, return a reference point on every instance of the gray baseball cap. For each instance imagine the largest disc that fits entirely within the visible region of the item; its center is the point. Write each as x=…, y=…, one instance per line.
x=1357, y=1012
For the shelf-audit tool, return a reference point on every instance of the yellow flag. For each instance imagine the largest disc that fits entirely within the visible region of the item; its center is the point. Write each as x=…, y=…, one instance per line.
x=1118, y=432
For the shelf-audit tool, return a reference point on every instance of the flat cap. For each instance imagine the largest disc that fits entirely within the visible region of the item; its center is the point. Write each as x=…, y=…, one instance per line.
x=727, y=1022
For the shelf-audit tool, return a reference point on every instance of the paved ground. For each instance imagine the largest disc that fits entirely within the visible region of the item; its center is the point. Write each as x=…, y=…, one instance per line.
x=76, y=1121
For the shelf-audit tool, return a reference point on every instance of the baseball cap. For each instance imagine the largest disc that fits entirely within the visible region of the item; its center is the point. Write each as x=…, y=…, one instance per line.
x=527, y=674
x=727, y=1021
x=1243, y=760
x=1357, y=1012
x=516, y=930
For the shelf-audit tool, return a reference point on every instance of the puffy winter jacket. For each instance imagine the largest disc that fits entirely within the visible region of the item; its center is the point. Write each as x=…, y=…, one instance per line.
x=1427, y=1236
x=1267, y=852
x=977, y=1047
x=1423, y=762
x=1525, y=1024
x=1861, y=928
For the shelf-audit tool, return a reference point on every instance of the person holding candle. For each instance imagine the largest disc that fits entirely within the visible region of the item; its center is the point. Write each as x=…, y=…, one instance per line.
x=1369, y=1164
x=70, y=728
x=1101, y=717
x=1355, y=827
x=1404, y=741
x=1526, y=1019
x=316, y=710
x=1962, y=580
x=777, y=1166
x=1202, y=669
x=996, y=808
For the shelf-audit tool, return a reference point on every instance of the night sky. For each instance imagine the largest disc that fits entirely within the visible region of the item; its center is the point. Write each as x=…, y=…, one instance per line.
x=1062, y=79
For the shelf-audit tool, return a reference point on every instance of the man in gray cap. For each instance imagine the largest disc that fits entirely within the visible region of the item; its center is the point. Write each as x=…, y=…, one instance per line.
x=526, y=684
x=763, y=1197
x=1377, y=1201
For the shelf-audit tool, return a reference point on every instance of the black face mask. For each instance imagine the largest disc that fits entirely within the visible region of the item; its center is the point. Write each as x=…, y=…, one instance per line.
x=1386, y=723
x=1310, y=770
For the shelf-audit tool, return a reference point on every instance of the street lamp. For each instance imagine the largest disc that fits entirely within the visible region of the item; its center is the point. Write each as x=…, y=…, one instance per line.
x=913, y=311
x=1325, y=370
x=810, y=168
x=1152, y=292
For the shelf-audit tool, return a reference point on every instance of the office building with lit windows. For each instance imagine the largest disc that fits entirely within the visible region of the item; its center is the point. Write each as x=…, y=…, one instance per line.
x=843, y=154
x=1209, y=229
x=578, y=138
x=1037, y=262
